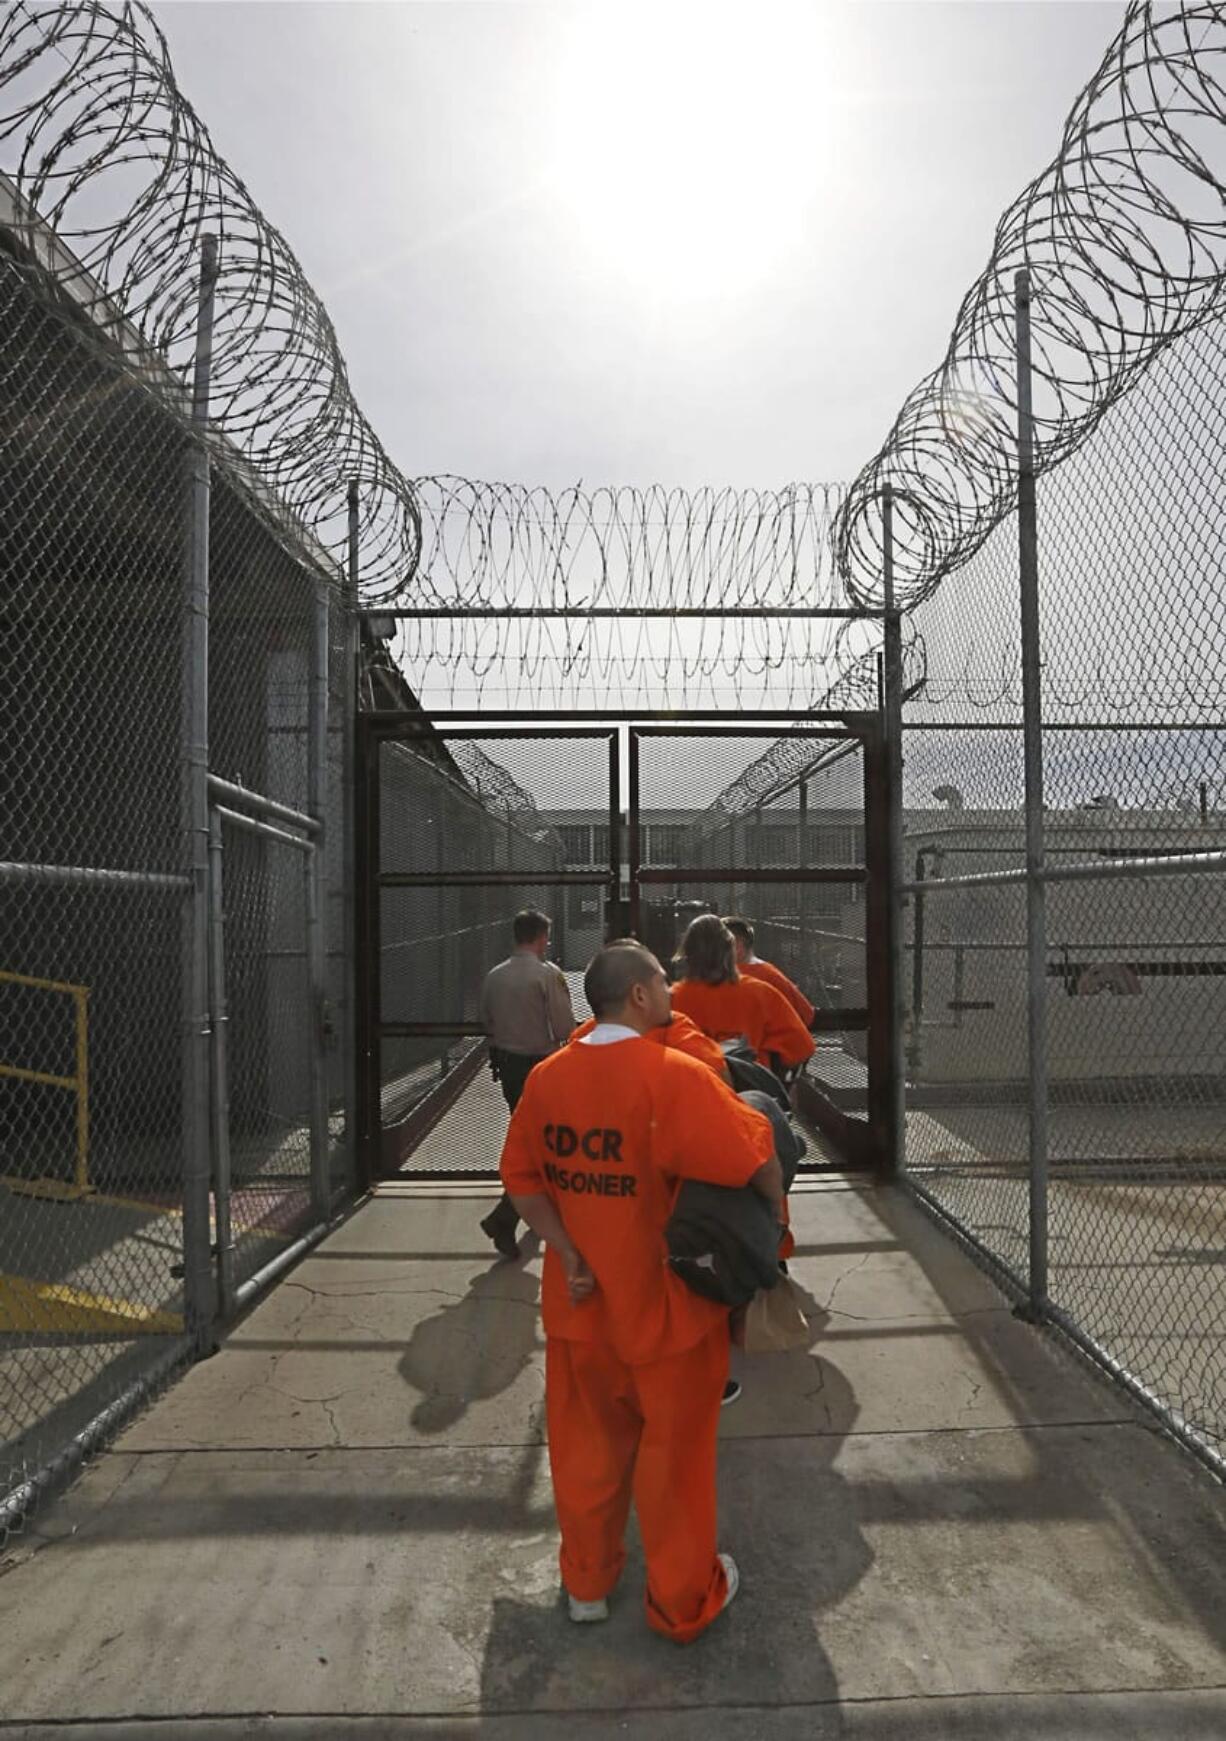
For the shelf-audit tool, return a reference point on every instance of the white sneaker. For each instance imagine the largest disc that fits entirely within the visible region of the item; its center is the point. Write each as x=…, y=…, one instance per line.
x=586, y=1613
x=732, y=1575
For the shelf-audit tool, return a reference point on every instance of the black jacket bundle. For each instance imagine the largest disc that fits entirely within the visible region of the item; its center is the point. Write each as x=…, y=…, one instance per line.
x=746, y=1072
x=723, y=1242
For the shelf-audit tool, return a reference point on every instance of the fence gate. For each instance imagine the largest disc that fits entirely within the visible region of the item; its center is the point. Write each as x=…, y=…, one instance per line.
x=271, y=1137
x=449, y=847
x=459, y=827
x=800, y=853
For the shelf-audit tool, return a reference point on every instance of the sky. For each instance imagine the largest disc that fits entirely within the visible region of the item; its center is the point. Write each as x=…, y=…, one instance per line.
x=636, y=245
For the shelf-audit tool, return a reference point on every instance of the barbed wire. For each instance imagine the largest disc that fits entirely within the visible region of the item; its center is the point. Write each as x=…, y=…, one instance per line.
x=1124, y=238
x=553, y=665
x=497, y=788
x=487, y=545
x=1122, y=233
x=104, y=148
x=856, y=689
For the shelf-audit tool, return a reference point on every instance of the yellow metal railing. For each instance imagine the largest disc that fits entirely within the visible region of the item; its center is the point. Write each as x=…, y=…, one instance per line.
x=78, y=1083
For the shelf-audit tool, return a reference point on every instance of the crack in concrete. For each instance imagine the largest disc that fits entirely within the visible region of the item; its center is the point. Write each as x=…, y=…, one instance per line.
x=916, y=1317
x=342, y=1293
x=845, y=1275
x=976, y=1389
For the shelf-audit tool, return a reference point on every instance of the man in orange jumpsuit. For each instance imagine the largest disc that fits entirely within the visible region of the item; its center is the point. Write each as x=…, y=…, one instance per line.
x=724, y=1005
x=635, y=1363
x=749, y=966
x=678, y=1032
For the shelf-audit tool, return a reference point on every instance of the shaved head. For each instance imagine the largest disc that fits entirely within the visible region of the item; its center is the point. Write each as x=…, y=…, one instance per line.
x=614, y=971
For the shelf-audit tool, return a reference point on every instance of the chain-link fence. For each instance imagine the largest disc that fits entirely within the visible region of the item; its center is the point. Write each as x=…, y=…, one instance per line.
x=144, y=594
x=1120, y=1120
x=461, y=847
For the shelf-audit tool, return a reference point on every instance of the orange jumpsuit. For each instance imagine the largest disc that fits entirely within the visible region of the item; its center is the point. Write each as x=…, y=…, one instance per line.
x=634, y=1374
x=749, y=1007
x=682, y=1035
x=772, y=975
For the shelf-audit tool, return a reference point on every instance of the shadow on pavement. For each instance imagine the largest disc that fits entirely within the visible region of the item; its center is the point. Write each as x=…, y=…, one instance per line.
x=796, y=1561
x=475, y=1348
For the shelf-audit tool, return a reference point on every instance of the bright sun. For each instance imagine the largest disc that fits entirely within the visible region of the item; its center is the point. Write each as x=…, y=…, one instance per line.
x=688, y=137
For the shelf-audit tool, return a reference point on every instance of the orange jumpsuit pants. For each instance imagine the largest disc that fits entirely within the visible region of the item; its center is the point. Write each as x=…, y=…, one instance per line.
x=617, y=1431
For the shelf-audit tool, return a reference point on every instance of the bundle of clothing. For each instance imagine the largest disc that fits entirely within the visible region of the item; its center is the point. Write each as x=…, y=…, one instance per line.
x=725, y=1243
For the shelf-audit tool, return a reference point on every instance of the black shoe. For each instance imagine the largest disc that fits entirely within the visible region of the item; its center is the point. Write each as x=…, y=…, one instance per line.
x=731, y=1391
x=496, y=1227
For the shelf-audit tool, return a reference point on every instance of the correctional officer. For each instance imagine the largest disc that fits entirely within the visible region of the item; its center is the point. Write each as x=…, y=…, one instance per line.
x=635, y=1363
x=527, y=1013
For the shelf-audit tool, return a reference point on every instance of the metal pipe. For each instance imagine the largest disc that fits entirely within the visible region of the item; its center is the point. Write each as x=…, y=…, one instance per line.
x=918, y=944
x=1173, y=1423
x=315, y=892
x=276, y=1266
x=390, y=720
x=81, y=1011
x=1121, y=869
x=1107, y=870
x=523, y=878
x=959, y=983
x=264, y=830
x=370, y=774
x=916, y=889
x=743, y=876
x=349, y=704
x=633, y=851
x=1032, y=750
x=86, y=876
x=613, y=913
x=19, y=1501
x=219, y=1053
x=1080, y=725
x=198, y=1289
x=459, y=612
x=259, y=805
x=892, y=684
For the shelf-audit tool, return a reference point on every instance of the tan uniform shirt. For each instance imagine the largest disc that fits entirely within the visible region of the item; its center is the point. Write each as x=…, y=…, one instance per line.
x=525, y=1005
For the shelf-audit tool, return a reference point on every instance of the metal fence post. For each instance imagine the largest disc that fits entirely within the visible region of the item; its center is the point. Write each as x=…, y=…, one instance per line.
x=892, y=720
x=220, y=1030
x=198, y=1289
x=1032, y=740
x=315, y=870
x=802, y=862
x=349, y=704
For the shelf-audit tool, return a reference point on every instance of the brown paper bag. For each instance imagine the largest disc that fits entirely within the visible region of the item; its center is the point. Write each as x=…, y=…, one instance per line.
x=772, y=1322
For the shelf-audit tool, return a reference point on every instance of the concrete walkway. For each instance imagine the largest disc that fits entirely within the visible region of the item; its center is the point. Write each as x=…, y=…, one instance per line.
x=341, y=1526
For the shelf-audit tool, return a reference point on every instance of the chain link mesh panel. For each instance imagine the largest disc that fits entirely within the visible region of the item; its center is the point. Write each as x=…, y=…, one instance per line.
x=1134, y=765
x=91, y=551
x=711, y=804
x=526, y=808
x=269, y=1045
x=93, y=545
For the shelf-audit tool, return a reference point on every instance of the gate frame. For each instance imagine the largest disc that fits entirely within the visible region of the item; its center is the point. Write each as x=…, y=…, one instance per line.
x=869, y=1144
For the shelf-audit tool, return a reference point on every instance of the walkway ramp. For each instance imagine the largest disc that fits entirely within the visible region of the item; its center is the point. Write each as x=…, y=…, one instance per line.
x=341, y=1526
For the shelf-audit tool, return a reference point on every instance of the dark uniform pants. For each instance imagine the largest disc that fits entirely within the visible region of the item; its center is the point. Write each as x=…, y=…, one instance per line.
x=512, y=1069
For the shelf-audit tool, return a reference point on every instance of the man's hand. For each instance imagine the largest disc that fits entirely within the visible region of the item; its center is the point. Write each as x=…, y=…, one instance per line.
x=768, y=1181
x=580, y=1281
x=541, y=1214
